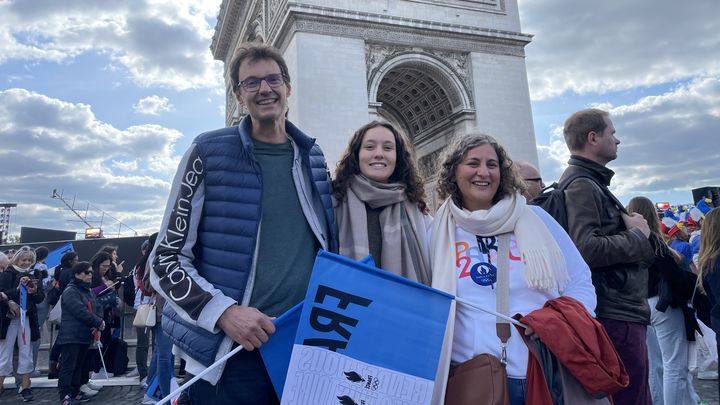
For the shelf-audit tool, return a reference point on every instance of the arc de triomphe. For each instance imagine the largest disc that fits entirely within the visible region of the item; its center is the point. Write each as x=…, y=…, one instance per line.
x=436, y=68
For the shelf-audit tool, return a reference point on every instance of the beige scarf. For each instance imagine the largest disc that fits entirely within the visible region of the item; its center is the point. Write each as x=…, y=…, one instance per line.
x=542, y=258
x=402, y=224
x=544, y=262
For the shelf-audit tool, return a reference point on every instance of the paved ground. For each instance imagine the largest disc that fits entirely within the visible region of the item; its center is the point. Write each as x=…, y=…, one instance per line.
x=119, y=391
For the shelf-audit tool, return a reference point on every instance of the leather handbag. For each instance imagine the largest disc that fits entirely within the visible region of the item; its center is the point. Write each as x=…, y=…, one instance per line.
x=482, y=380
x=145, y=315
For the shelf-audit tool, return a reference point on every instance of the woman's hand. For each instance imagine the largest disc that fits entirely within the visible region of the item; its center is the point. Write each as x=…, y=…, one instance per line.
x=108, y=283
x=23, y=281
x=529, y=332
x=119, y=267
x=31, y=288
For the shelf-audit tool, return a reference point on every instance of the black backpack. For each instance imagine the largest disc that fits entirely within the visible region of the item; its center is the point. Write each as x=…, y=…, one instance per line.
x=552, y=199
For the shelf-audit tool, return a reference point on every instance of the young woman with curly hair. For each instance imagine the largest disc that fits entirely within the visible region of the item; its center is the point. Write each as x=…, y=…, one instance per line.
x=380, y=206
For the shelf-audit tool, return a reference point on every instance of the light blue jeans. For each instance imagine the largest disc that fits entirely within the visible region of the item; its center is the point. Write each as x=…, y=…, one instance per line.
x=162, y=359
x=669, y=376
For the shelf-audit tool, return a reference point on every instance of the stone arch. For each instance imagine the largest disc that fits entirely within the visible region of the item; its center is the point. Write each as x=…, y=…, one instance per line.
x=426, y=97
x=430, y=65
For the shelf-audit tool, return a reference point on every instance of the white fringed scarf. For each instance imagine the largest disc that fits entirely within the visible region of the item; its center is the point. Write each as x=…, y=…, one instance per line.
x=541, y=256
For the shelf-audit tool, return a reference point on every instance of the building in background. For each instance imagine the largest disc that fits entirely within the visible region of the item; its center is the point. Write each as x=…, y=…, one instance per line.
x=436, y=68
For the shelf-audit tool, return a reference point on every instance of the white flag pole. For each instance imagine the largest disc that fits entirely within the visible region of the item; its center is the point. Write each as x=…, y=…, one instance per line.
x=499, y=315
x=192, y=381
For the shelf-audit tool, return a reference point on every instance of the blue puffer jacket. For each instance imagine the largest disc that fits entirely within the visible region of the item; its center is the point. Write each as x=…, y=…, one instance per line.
x=228, y=225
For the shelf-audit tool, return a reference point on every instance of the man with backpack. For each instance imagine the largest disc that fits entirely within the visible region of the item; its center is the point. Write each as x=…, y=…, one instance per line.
x=613, y=243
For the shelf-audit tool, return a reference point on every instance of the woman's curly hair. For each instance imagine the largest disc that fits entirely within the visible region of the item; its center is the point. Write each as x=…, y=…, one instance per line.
x=510, y=180
x=405, y=167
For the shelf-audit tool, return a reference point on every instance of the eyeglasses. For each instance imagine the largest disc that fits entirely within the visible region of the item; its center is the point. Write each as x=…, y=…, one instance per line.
x=538, y=179
x=87, y=272
x=253, y=83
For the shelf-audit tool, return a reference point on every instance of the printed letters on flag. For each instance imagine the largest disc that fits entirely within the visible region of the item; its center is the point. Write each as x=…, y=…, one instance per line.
x=277, y=350
x=365, y=336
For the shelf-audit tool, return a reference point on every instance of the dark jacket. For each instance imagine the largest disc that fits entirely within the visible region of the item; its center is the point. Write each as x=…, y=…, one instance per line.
x=9, y=281
x=77, y=317
x=618, y=257
x=667, y=279
x=711, y=283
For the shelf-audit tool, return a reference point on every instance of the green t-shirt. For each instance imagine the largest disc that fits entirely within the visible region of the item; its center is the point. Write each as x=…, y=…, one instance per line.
x=286, y=244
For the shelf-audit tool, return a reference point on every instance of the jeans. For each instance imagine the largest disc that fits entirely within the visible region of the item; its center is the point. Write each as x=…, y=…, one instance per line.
x=141, y=351
x=161, y=364
x=668, y=357
x=517, y=390
x=630, y=341
x=244, y=381
x=42, y=314
x=70, y=378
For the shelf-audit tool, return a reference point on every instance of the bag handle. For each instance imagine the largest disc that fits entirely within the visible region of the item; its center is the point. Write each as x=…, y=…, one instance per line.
x=502, y=293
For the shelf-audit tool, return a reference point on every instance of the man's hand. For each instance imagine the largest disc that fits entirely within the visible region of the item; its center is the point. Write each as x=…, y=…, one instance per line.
x=636, y=220
x=247, y=326
x=14, y=308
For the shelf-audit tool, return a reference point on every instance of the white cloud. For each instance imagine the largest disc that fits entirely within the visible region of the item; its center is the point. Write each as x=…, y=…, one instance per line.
x=669, y=142
x=52, y=144
x=153, y=105
x=587, y=47
x=159, y=43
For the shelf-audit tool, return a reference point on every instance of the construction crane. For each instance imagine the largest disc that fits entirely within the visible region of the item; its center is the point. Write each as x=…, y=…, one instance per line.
x=84, y=220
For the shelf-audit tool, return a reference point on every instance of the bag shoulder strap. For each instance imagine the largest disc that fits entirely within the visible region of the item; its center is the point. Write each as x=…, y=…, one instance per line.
x=502, y=293
x=605, y=190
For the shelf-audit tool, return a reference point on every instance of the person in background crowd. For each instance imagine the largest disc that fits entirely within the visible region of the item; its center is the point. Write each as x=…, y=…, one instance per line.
x=677, y=239
x=62, y=275
x=103, y=286
x=162, y=363
x=4, y=262
x=709, y=265
x=533, y=181
x=380, y=204
x=614, y=244
x=667, y=341
x=262, y=171
x=141, y=297
x=13, y=281
x=483, y=192
x=9, y=253
x=81, y=318
x=115, y=267
x=40, y=273
x=695, y=217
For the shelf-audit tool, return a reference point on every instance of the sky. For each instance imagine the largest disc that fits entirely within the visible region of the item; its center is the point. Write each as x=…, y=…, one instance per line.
x=99, y=99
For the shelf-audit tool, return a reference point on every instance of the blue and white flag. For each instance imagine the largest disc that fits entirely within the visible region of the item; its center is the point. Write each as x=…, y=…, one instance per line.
x=23, y=311
x=53, y=258
x=277, y=350
x=365, y=336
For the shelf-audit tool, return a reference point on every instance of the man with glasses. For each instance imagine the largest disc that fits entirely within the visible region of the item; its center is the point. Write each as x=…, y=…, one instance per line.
x=533, y=182
x=249, y=208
